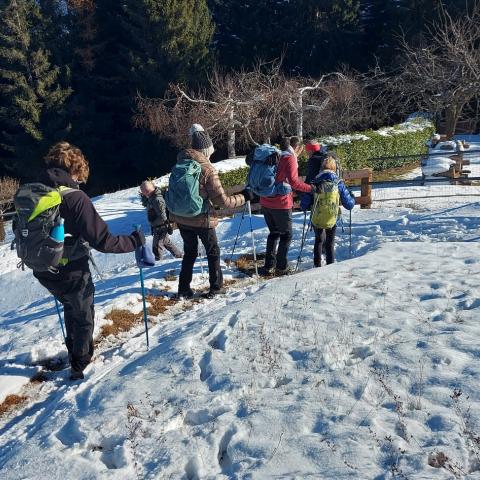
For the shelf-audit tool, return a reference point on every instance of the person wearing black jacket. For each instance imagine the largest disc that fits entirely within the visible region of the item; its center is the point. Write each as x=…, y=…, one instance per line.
x=315, y=160
x=84, y=229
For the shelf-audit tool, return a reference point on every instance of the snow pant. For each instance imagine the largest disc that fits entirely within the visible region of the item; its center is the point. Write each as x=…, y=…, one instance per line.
x=279, y=223
x=75, y=291
x=162, y=242
x=324, y=241
x=208, y=237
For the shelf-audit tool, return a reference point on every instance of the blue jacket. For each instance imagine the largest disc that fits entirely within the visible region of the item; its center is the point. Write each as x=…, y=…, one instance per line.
x=347, y=199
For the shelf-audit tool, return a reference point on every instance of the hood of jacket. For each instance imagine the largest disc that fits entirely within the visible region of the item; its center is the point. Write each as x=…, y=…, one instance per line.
x=326, y=175
x=57, y=177
x=193, y=155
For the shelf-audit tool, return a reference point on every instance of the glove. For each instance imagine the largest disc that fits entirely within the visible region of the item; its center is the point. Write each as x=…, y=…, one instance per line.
x=138, y=237
x=248, y=195
x=170, y=229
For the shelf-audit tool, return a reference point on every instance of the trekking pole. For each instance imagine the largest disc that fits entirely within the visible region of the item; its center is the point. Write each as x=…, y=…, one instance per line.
x=142, y=284
x=350, y=234
x=341, y=220
x=253, y=237
x=299, y=259
x=60, y=320
x=201, y=256
x=95, y=266
x=238, y=233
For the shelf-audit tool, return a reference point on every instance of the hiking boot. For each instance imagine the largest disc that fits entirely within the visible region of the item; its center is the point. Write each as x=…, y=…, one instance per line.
x=185, y=295
x=76, y=375
x=266, y=272
x=212, y=293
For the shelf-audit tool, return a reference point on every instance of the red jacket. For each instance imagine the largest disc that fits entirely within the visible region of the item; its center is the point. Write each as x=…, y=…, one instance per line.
x=287, y=172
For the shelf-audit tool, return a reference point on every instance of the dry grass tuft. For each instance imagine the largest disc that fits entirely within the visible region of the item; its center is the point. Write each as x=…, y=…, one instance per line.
x=122, y=321
x=159, y=305
x=10, y=402
x=246, y=264
x=170, y=276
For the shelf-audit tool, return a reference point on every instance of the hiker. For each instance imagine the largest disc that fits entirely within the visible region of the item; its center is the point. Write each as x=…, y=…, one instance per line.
x=329, y=192
x=296, y=147
x=194, y=190
x=158, y=218
x=316, y=157
x=277, y=211
x=71, y=282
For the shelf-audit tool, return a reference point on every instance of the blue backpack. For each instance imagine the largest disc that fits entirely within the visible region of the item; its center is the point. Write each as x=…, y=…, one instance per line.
x=261, y=177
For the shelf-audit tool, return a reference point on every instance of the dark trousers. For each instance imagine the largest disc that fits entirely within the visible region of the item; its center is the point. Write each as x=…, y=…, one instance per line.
x=279, y=223
x=162, y=242
x=324, y=241
x=208, y=237
x=75, y=291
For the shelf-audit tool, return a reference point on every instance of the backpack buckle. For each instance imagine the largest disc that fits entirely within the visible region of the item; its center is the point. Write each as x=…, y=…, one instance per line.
x=24, y=232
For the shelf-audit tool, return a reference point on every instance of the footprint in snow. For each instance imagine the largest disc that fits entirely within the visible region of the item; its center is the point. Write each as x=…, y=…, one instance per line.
x=200, y=417
x=219, y=341
x=71, y=434
x=361, y=353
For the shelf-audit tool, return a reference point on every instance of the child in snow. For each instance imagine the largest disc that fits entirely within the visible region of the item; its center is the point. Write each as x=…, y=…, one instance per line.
x=325, y=237
x=158, y=219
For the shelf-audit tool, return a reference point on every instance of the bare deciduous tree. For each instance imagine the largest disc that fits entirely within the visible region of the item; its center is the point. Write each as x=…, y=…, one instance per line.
x=444, y=74
x=242, y=107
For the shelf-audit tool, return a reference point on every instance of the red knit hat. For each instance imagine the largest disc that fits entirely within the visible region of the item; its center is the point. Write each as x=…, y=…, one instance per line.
x=312, y=147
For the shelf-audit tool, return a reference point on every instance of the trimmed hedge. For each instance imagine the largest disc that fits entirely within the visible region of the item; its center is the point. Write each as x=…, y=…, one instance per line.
x=358, y=152
x=234, y=177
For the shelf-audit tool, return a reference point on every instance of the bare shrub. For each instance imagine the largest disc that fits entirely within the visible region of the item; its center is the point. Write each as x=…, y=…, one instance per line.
x=8, y=187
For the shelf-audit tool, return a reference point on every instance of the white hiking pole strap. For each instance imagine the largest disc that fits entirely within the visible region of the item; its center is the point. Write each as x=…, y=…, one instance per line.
x=253, y=238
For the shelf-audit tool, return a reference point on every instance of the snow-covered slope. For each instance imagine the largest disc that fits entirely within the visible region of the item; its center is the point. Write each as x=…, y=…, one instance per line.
x=368, y=368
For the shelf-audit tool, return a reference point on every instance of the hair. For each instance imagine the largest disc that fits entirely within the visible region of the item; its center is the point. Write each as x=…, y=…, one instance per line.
x=147, y=184
x=69, y=158
x=330, y=163
x=295, y=142
x=284, y=143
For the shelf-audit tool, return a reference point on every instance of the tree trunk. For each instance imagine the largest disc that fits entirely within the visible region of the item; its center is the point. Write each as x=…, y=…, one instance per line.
x=299, y=120
x=451, y=118
x=231, y=135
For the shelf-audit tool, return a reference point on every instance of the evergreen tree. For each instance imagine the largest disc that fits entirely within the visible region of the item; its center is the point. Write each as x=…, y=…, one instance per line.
x=385, y=23
x=312, y=36
x=32, y=97
x=138, y=47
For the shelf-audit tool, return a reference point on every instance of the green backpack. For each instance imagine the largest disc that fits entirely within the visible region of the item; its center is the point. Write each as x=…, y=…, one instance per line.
x=37, y=209
x=183, y=194
x=326, y=203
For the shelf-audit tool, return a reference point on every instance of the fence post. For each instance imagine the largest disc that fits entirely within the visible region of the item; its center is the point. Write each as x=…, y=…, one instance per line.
x=366, y=189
